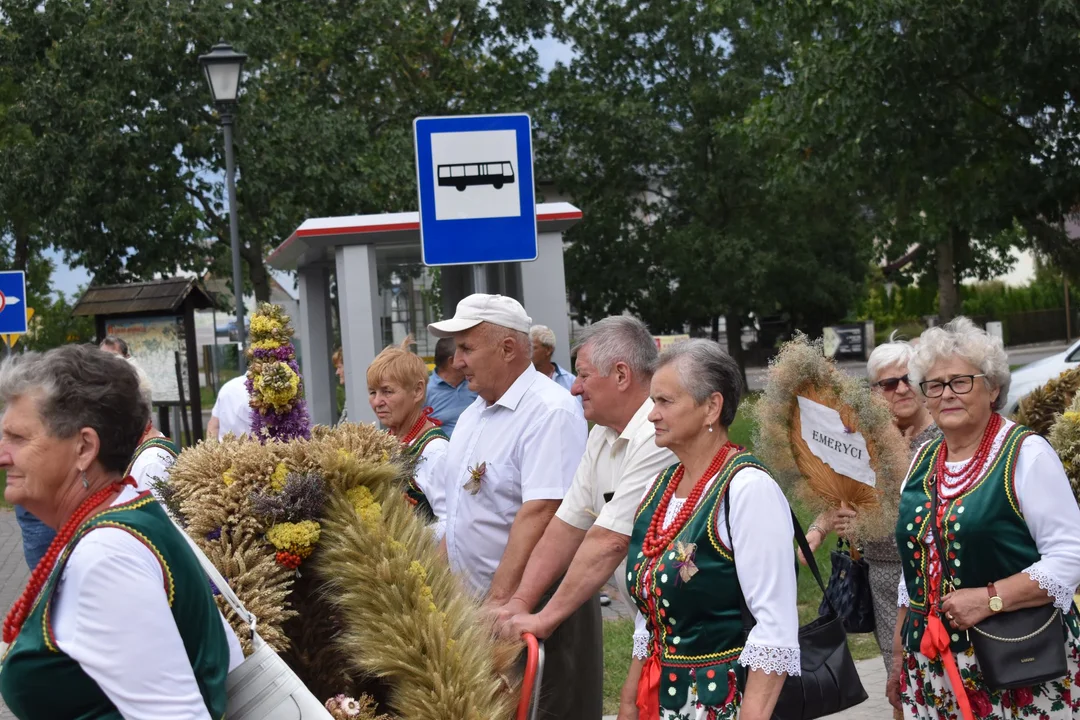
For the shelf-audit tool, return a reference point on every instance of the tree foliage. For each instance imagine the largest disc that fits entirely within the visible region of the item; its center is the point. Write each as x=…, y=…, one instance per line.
x=954, y=121
x=682, y=222
x=122, y=166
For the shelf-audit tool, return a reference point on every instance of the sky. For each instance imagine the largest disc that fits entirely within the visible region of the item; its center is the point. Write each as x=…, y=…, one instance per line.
x=68, y=280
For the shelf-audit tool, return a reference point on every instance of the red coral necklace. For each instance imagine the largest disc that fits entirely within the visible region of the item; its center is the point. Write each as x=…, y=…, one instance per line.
x=656, y=539
x=425, y=417
x=21, y=609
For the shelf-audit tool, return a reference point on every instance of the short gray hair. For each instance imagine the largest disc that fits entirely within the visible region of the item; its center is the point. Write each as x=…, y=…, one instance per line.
x=706, y=368
x=621, y=338
x=80, y=386
x=894, y=352
x=495, y=334
x=962, y=338
x=543, y=335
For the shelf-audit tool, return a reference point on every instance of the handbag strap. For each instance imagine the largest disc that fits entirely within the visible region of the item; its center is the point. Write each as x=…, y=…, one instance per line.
x=800, y=538
x=220, y=582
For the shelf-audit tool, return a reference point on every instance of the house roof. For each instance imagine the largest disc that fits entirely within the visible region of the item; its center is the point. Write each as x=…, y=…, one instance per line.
x=166, y=296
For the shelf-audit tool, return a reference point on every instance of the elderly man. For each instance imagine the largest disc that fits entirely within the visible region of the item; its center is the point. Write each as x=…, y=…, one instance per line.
x=543, y=347
x=510, y=462
x=589, y=536
x=447, y=392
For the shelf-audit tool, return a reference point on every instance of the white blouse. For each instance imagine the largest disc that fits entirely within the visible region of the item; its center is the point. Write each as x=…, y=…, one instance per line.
x=765, y=563
x=430, y=479
x=111, y=615
x=1051, y=513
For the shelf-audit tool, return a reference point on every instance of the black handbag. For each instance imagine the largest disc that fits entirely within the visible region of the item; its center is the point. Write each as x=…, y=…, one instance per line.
x=1018, y=648
x=829, y=681
x=849, y=591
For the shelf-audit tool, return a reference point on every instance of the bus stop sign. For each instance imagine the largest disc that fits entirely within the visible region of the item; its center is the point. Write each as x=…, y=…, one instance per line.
x=475, y=177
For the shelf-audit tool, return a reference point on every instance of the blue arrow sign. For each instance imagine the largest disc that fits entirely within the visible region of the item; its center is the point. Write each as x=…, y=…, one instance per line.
x=12, y=301
x=477, y=200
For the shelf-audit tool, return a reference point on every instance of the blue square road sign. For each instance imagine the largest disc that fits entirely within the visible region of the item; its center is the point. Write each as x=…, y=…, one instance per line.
x=12, y=302
x=477, y=197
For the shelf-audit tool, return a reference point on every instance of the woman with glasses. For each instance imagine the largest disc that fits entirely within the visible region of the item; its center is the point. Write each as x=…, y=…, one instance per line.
x=993, y=496
x=887, y=371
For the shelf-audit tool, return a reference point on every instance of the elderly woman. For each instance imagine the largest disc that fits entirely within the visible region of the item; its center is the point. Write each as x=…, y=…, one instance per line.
x=689, y=577
x=887, y=371
x=397, y=385
x=997, y=497
x=118, y=618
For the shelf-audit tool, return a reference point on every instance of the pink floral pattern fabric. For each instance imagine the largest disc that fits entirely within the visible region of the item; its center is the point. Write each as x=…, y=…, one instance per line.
x=926, y=694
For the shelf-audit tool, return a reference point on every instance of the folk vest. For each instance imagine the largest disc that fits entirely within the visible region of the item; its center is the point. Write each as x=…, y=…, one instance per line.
x=415, y=452
x=40, y=682
x=985, y=535
x=695, y=625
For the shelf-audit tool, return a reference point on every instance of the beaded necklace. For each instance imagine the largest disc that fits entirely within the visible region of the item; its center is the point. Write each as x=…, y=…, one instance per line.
x=954, y=484
x=425, y=417
x=21, y=609
x=657, y=539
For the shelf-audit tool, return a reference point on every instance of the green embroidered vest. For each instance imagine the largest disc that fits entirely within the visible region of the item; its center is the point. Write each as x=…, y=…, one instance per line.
x=413, y=493
x=164, y=443
x=986, y=536
x=696, y=626
x=40, y=682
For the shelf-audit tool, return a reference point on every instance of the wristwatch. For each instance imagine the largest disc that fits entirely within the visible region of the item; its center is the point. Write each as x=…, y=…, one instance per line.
x=996, y=603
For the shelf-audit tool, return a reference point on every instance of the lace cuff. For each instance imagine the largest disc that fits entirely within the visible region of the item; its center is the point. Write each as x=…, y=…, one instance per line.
x=1062, y=594
x=771, y=659
x=641, y=645
x=902, y=597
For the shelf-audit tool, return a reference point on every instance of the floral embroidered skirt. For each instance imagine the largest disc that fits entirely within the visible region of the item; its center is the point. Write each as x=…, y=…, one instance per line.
x=927, y=695
x=694, y=709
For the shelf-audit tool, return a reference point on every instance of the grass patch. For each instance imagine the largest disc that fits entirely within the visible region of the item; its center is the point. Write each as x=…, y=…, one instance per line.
x=207, y=395
x=3, y=486
x=618, y=647
x=618, y=634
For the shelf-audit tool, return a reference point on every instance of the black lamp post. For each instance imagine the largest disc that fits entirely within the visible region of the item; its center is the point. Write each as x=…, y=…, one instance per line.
x=223, y=67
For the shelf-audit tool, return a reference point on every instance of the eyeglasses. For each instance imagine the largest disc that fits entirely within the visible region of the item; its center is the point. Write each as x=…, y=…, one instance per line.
x=960, y=385
x=890, y=384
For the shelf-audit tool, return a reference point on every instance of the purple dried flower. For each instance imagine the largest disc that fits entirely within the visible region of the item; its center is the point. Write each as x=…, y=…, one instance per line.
x=214, y=534
x=301, y=498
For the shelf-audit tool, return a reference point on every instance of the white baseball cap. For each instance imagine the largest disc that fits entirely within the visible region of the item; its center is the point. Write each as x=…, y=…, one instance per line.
x=477, y=308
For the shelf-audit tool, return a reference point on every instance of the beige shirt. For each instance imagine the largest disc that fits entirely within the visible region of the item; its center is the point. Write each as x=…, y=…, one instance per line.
x=614, y=474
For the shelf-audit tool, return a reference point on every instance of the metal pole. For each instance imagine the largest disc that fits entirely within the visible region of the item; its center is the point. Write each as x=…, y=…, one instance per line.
x=234, y=234
x=1068, y=315
x=479, y=275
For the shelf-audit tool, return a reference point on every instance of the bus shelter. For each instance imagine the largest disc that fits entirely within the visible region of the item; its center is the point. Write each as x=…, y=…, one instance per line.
x=364, y=259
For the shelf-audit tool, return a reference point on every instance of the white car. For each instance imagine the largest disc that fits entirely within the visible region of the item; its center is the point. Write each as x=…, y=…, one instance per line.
x=1038, y=373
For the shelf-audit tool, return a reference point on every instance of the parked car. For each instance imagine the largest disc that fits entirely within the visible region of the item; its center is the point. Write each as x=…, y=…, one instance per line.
x=1033, y=375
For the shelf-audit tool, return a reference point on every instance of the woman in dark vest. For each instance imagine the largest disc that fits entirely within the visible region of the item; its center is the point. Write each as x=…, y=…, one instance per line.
x=689, y=577
x=118, y=619
x=997, y=497
x=397, y=387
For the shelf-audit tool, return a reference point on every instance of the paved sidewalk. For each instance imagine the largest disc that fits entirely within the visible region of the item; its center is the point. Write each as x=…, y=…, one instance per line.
x=13, y=572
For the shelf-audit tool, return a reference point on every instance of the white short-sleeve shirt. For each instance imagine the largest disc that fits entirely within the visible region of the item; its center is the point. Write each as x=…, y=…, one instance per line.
x=233, y=408
x=530, y=442
x=614, y=473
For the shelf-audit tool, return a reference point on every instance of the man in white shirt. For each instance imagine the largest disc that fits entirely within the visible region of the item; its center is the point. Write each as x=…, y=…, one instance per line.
x=232, y=411
x=510, y=462
x=589, y=536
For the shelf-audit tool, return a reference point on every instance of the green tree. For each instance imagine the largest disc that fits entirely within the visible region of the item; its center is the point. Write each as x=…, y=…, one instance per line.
x=682, y=222
x=954, y=121
x=122, y=169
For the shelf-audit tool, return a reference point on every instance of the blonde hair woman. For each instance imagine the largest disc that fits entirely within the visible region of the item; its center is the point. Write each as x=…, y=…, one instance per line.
x=397, y=388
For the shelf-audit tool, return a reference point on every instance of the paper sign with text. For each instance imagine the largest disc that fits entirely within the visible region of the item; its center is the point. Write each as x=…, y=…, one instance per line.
x=837, y=446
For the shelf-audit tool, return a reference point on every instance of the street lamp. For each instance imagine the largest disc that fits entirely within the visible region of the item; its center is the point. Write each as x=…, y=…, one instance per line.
x=223, y=66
